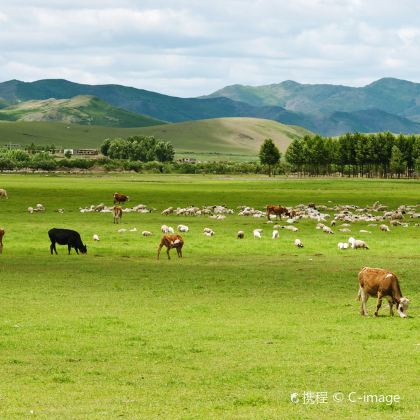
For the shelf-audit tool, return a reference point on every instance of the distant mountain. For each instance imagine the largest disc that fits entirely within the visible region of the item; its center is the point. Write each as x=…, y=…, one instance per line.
x=81, y=109
x=388, y=104
x=393, y=96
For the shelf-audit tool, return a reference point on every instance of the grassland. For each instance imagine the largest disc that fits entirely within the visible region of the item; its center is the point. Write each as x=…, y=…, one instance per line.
x=223, y=137
x=229, y=331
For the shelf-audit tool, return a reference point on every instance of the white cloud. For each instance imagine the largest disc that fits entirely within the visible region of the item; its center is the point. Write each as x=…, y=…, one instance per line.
x=190, y=48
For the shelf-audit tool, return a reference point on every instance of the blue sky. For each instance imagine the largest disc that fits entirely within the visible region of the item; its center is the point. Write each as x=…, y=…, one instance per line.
x=191, y=48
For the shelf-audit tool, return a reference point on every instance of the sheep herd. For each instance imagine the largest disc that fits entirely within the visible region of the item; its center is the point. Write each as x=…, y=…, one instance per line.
x=327, y=218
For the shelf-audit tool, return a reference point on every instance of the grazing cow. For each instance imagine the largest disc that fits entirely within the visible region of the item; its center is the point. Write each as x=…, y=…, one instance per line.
x=171, y=241
x=117, y=212
x=68, y=237
x=3, y=193
x=277, y=210
x=120, y=198
x=381, y=283
x=1, y=239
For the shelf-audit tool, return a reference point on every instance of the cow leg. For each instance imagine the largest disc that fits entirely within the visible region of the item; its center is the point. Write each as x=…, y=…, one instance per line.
x=364, y=298
x=77, y=251
x=179, y=252
x=160, y=247
x=1, y=248
x=53, y=249
x=69, y=248
x=167, y=251
x=378, y=304
x=390, y=303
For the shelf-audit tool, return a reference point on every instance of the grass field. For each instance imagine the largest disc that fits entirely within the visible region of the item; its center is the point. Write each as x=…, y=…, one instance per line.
x=229, y=331
x=226, y=138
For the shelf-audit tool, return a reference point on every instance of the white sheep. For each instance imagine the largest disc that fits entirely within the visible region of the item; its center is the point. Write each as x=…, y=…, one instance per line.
x=364, y=231
x=257, y=233
x=133, y=230
x=275, y=234
x=208, y=230
x=95, y=237
x=328, y=230
x=146, y=233
x=164, y=229
x=122, y=230
x=298, y=243
x=240, y=234
x=183, y=228
x=384, y=228
x=358, y=243
x=30, y=210
x=211, y=233
x=342, y=245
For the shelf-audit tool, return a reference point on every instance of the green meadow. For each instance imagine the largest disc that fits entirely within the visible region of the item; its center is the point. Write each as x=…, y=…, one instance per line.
x=229, y=331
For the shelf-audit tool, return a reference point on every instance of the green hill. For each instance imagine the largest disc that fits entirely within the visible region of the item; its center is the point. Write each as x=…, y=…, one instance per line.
x=394, y=96
x=224, y=137
x=83, y=109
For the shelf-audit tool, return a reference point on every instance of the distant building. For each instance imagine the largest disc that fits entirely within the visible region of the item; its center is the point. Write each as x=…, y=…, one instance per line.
x=187, y=160
x=86, y=152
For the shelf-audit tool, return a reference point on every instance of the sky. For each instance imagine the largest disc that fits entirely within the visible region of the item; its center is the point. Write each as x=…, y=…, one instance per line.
x=191, y=48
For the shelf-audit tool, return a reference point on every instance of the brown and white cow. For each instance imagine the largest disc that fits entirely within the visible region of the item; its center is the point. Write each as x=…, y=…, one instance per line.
x=171, y=241
x=3, y=193
x=117, y=212
x=120, y=198
x=1, y=239
x=381, y=283
x=277, y=210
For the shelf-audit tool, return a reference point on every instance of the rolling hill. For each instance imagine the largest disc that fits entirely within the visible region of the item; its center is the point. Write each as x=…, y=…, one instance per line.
x=224, y=137
x=81, y=109
x=393, y=104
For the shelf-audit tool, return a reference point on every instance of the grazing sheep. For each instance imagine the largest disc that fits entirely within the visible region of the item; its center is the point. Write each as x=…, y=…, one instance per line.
x=328, y=230
x=208, y=230
x=333, y=222
x=95, y=237
x=257, y=233
x=358, y=244
x=209, y=233
x=122, y=230
x=183, y=228
x=342, y=245
x=240, y=234
x=164, y=229
x=3, y=193
x=167, y=211
x=146, y=233
x=30, y=210
x=344, y=230
x=275, y=234
x=384, y=228
x=298, y=243
x=133, y=229
x=39, y=207
x=292, y=228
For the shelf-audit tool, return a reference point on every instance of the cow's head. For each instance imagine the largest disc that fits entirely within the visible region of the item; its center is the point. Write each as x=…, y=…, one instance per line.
x=83, y=249
x=402, y=307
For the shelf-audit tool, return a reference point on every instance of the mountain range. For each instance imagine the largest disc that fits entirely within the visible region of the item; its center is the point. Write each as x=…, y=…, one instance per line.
x=385, y=105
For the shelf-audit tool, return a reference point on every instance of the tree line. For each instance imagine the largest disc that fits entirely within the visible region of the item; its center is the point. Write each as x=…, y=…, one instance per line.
x=354, y=154
x=139, y=148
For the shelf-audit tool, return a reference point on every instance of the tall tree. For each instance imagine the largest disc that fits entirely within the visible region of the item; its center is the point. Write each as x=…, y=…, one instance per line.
x=269, y=154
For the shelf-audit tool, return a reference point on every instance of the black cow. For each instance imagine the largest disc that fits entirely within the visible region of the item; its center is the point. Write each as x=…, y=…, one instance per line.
x=68, y=237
